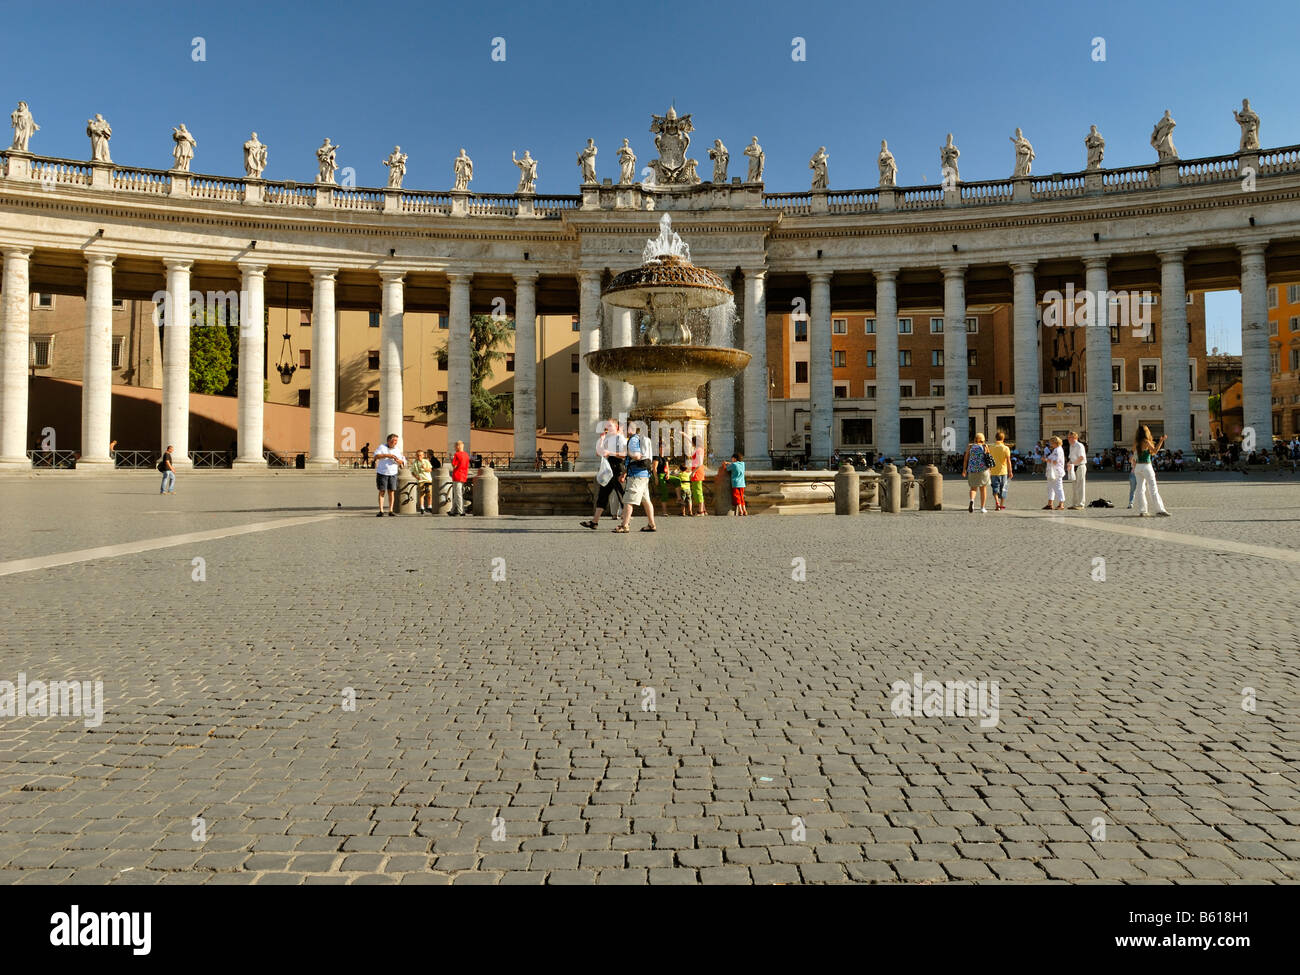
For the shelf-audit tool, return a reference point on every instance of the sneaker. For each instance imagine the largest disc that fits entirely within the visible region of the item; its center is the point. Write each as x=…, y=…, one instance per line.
x=971, y=508
x=984, y=511
x=380, y=515
x=1130, y=507
x=1162, y=514
x=392, y=514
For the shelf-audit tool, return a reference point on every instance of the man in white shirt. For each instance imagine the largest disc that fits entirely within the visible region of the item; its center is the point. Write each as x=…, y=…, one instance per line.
x=613, y=447
x=1076, y=463
x=387, y=463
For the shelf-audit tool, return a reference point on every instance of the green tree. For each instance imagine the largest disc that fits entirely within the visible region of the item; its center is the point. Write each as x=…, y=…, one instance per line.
x=210, y=357
x=487, y=336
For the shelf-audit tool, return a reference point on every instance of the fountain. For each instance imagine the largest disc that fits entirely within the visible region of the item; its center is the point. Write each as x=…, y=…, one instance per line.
x=676, y=301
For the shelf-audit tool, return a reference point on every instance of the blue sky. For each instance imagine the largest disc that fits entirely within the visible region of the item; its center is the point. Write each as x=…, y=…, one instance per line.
x=422, y=74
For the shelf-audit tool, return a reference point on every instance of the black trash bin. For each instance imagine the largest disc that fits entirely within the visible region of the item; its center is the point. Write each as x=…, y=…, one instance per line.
x=300, y=462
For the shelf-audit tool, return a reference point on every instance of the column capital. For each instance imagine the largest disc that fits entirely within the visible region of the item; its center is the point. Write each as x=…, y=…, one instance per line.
x=1254, y=249
x=100, y=258
x=16, y=253
x=1172, y=254
x=820, y=277
x=886, y=274
x=587, y=275
x=953, y=270
x=175, y=264
x=526, y=277
x=251, y=269
x=460, y=277
x=1023, y=267
x=754, y=272
x=323, y=273
x=1096, y=263
x=391, y=275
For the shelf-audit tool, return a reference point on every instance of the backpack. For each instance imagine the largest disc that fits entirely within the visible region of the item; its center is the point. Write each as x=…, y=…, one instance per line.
x=162, y=464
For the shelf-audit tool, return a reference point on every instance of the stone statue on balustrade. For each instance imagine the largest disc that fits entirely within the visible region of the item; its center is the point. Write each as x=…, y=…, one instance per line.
x=888, y=168
x=1096, y=147
x=325, y=155
x=817, y=164
x=24, y=127
x=254, y=158
x=756, y=160
x=626, y=165
x=1024, y=155
x=396, y=163
x=100, y=132
x=948, y=156
x=527, y=172
x=183, y=151
x=1162, y=138
x=587, y=162
x=1249, y=123
x=721, y=159
x=464, y=168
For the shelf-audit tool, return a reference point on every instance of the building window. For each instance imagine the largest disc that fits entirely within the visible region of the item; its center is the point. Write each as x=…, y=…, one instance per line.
x=971, y=358
x=41, y=346
x=936, y=389
x=118, y=341
x=871, y=390
x=871, y=358
x=304, y=358
x=117, y=303
x=573, y=362
x=372, y=359
x=841, y=390
x=911, y=429
x=1116, y=377
x=442, y=397
x=510, y=362
x=577, y=325
x=904, y=326
x=1150, y=377
x=1149, y=299
x=936, y=326
x=1294, y=323
x=444, y=322
x=856, y=431
x=801, y=372
x=1191, y=374
x=972, y=326
x=1295, y=363
x=372, y=401
x=374, y=319
x=801, y=330
x=304, y=397
x=841, y=358
x=936, y=358
x=839, y=326
x=1275, y=362
x=573, y=403
x=973, y=389
x=1114, y=335
x=1292, y=293
x=869, y=327
x=906, y=390
x=442, y=361
x=1272, y=327
x=304, y=318
x=45, y=301
x=904, y=357
x=1149, y=335
x=1272, y=297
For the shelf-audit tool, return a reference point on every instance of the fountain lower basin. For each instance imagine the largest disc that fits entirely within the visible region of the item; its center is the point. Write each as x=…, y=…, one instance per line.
x=667, y=378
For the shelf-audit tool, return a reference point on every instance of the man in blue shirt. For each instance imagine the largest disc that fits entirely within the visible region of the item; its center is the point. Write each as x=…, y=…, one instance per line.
x=636, y=484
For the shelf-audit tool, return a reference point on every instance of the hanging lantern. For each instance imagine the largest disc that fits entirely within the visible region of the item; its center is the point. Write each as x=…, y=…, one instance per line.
x=286, y=367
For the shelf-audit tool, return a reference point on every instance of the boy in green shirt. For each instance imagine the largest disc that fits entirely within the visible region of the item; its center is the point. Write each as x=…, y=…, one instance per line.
x=423, y=472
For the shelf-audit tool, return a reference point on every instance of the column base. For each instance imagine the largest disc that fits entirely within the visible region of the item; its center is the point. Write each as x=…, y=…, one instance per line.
x=182, y=463
x=258, y=463
x=523, y=464
x=322, y=464
x=96, y=463
x=15, y=463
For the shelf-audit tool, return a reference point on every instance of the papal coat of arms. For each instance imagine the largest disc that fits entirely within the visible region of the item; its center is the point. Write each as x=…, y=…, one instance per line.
x=672, y=139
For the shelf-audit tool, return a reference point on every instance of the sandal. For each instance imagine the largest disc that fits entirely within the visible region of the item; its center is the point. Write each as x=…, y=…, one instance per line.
x=620, y=530
x=647, y=528
x=588, y=524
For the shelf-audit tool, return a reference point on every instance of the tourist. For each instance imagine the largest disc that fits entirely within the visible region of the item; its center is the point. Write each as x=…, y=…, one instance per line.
x=387, y=463
x=1054, y=468
x=459, y=475
x=168, y=472
x=612, y=447
x=564, y=456
x=1077, y=464
x=975, y=464
x=423, y=473
x=1143, y=449
x=636, y=484
x=365, y=454
x=1001, y=470
x=680, y=482
x=736, y=468
x=540, y=463
x=695, y=464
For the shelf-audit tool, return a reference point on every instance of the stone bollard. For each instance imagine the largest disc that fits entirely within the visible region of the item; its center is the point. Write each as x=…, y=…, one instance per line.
x=405, y=491
x=931, y=488
x=442, y=488
x=486, y=487
x=911, y=491
x=722, y=492
x=890, y=490
x=846, y=490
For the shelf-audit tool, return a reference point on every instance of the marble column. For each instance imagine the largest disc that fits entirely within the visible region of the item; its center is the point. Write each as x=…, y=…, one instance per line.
x=1100, y=433
x=525, y=371
x=15, y=352
x=1256, y=383
x=1026, y=376
x=819, y=369
x=323, y=381
x=252, y=367
x=1176, y=397
x=97, y=369
x=887, y=414
x=956, y=396
x=391, y=403
x=622, y=334
x=459, y=357
x=757, y=449
x=176, y=364
x=588, y=381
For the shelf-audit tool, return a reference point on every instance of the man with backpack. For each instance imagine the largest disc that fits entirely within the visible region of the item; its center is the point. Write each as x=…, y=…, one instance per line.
x=976, y=465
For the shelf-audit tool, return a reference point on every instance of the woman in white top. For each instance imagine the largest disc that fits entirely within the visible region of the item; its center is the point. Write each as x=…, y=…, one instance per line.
x=1054, y=468
x=613, y=447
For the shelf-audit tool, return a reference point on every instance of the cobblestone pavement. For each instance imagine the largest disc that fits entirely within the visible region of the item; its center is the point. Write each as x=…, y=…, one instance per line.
x=503, y=729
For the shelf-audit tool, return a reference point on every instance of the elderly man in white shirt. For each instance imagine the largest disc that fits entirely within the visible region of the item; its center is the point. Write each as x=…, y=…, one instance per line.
x=1076, y=462
x=387, y=463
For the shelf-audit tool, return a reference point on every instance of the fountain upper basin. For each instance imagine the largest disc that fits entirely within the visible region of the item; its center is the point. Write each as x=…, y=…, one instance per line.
x=668, y=377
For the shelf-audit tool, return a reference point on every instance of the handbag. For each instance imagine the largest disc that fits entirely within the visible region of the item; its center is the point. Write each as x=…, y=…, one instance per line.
x=605, y=473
